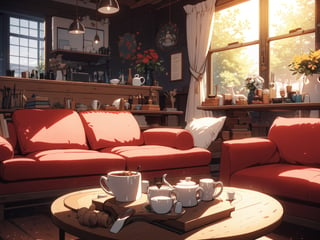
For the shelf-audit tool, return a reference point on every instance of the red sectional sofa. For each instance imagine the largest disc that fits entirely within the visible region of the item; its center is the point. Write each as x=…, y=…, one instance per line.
x=286, y=165
x=60, y=149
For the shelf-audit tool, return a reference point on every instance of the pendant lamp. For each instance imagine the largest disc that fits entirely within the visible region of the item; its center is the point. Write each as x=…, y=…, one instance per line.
x=108, y=6
x=76, y=26
x=96, y=39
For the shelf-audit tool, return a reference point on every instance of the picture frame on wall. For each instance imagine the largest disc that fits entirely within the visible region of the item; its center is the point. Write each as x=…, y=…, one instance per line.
x=176, y=66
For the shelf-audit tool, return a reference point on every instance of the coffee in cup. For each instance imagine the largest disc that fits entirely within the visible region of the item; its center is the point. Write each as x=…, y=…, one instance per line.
x=125, y=186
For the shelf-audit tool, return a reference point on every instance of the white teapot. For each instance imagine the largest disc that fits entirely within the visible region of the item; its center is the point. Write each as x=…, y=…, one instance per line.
x=137, y=80
x=187, y=192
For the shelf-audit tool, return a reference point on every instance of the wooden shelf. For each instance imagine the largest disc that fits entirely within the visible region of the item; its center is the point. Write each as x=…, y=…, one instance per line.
x=79, y=56
x=265, y=107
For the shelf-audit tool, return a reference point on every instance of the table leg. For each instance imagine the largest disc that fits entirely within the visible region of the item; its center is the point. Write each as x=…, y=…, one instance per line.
x=61, y=234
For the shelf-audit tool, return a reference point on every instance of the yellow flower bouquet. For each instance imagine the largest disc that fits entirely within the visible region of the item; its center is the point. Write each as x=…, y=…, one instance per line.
x=307, y=64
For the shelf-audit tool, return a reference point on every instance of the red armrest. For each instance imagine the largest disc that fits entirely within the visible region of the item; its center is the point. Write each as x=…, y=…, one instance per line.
x=6, y=149
x=170, y=137
x=242, y=153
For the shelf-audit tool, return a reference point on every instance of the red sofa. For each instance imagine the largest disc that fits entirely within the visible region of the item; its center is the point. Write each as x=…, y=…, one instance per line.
x=286, y=165
x=60, y=149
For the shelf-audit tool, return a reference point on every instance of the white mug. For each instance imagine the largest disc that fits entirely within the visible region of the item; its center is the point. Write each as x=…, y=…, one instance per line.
x=211, y=189
x=124, y=185
x=161, y=204
x=95, y=104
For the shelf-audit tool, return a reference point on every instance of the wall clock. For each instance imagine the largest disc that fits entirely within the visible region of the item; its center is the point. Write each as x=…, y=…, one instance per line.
x=167, y=36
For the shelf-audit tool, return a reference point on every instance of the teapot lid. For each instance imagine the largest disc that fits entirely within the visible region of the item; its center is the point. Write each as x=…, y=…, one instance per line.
x=186, y=182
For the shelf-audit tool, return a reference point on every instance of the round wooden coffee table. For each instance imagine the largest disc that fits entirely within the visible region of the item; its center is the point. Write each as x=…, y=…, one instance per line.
x=255, y=215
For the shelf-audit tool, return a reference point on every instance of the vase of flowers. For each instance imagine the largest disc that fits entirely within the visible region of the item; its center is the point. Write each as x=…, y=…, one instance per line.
x=253, y=83
x=147, y=62
x=306, y=64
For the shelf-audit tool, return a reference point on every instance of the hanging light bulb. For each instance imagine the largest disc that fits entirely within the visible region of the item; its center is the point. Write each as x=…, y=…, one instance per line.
x=76, y=27
x=108, y=6
x=96, y=38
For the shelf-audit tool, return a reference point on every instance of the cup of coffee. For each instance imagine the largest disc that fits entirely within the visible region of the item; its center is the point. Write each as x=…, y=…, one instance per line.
x=211, y=189
x=125, y=186
x=161, y=204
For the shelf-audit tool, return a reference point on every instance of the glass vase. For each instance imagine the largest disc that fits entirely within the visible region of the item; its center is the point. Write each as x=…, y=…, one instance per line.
x=149, y=77
x=251, y=95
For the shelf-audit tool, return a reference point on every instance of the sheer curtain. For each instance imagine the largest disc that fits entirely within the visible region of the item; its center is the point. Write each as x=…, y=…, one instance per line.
x=199, y=25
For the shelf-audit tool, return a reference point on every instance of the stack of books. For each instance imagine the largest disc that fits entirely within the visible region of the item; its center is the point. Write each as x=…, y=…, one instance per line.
x=37, y=102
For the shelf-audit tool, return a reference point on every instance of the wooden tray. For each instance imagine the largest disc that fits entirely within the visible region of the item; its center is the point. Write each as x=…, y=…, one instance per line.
x=190, y=218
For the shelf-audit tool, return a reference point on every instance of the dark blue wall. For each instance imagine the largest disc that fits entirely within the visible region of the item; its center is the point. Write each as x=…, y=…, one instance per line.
x=146, y=22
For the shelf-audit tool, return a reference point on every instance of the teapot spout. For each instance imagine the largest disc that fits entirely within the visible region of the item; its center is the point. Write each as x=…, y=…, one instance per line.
x=166, y=182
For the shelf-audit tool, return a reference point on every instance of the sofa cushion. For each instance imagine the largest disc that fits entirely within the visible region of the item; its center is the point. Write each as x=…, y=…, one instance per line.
x=6, y=149
x=297, y=140
x=155, y=157
x=45, y=129
x=60, y=163
x=111, y=128
x=12, y=136
x=205, y=130
x=285, y=180
x=170, y=137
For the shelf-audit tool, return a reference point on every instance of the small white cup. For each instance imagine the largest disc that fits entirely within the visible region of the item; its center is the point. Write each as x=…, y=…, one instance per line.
x=231, y=195
x=211, y=189
x=95, y=104
x=144, y=186
x=161, y=204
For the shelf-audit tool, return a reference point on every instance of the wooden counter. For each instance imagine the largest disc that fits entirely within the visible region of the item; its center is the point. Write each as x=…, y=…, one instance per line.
x=80, y=92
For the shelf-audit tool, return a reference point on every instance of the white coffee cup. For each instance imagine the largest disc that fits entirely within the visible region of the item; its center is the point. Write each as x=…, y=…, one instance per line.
x=154, y=191
x=211, y=189
x=161, y=204
x=95, y=104
x=124, y=185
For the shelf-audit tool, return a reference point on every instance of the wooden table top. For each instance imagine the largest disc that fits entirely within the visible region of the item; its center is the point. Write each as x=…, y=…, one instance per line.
x=256, y=214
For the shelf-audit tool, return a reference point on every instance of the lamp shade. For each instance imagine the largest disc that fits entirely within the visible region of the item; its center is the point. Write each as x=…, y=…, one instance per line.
x=108, y=6
x=76, y=27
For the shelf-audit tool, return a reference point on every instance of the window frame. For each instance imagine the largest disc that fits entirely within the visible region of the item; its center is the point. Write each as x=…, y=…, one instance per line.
x=263, y=41
x=40, y=38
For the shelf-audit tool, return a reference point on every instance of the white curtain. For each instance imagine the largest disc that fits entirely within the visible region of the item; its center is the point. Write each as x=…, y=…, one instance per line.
x=199, y=25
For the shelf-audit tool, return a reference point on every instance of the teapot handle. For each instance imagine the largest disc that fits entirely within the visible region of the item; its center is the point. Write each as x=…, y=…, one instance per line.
x=142, y=79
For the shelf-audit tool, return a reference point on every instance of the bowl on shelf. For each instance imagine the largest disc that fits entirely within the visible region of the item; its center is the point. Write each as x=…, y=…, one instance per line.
x=276, y=100
x=115, y=81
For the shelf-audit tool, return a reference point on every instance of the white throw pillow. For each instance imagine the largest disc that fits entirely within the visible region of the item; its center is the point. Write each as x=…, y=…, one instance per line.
x=205, y=130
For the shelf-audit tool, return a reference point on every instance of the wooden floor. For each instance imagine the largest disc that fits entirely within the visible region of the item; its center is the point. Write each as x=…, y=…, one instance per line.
x=34, y=223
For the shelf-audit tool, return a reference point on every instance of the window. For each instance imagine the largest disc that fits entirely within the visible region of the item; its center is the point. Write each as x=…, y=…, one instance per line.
x=26, y=45
x=259, y=37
